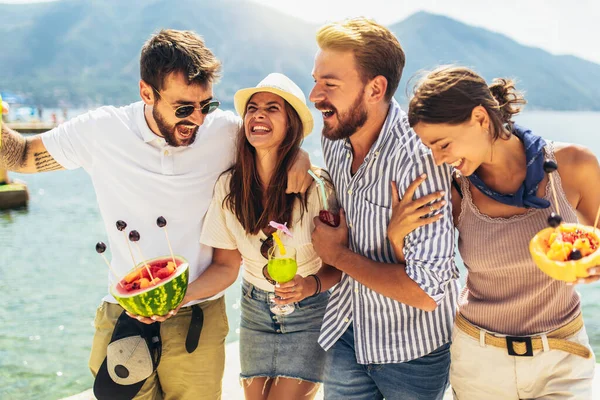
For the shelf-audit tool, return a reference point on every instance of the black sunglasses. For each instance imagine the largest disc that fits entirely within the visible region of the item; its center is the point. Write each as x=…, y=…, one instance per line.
x=187, y=110
x=266, y=245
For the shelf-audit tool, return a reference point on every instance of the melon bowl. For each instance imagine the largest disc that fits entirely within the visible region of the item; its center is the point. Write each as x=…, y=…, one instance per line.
x=138, y=294
x=555, y=260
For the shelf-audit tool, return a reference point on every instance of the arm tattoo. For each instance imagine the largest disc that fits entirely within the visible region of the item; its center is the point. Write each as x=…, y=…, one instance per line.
x=44, y=162
x=13, y=150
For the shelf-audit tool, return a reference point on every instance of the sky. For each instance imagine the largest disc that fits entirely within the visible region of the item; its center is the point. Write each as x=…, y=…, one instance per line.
x=557, y=26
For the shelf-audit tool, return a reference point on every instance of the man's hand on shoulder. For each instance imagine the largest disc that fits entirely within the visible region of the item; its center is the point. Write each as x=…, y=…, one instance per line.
x=298, y=178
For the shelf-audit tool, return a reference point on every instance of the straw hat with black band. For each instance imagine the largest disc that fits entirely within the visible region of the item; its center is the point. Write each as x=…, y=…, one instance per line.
x=284, y=87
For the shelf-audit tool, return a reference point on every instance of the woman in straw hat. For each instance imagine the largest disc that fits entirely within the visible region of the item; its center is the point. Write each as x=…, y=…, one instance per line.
x=280, y=356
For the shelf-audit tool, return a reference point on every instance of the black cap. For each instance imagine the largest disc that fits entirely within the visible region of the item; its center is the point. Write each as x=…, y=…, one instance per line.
x=132, y=356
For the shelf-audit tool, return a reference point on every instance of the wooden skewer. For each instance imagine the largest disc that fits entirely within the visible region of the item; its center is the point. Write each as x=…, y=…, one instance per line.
x=100, y=249
x=554, y=193
x=130, y=251
x=111, y=269
x=121, y=225
x=145, y=264
x=170, y=248
x=162, y=223
x=596, y=221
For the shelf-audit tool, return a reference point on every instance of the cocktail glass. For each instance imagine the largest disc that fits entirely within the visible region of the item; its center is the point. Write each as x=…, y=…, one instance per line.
x=282, y=268
x=330, y=211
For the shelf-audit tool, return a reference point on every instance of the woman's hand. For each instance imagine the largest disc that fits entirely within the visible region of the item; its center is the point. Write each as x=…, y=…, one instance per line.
x=295, y=290
x=409, y=214
x=593, y=277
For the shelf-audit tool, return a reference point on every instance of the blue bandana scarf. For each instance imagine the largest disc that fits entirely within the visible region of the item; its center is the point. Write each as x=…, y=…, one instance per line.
x=525, y=197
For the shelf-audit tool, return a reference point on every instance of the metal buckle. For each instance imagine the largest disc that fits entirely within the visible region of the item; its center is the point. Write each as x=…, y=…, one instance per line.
x=516, y=339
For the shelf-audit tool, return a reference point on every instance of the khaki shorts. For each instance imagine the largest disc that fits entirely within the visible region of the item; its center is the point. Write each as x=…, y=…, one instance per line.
x=487, y=372
x=180, y=375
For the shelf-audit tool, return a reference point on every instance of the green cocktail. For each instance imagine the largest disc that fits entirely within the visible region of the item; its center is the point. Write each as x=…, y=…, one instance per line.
x=282, y=268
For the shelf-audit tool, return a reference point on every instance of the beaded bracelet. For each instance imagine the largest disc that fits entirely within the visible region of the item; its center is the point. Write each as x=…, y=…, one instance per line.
x=318, y=281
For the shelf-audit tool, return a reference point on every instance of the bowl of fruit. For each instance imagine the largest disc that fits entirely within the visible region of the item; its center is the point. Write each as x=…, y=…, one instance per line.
x=566, y=252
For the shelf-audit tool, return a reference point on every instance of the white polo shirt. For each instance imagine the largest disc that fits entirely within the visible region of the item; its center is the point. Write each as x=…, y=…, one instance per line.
x=138, y=177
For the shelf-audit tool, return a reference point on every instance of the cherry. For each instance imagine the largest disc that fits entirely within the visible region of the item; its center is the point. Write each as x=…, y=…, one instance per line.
x=121, y=225
x=100, y=247
x=554, y=220
x=550, y=166
x=329, y=218
x=134, y=236
x=575, y=255
x=161, y=222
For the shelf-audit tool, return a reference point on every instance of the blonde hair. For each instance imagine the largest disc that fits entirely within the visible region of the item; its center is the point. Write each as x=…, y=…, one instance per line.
x=376, y=49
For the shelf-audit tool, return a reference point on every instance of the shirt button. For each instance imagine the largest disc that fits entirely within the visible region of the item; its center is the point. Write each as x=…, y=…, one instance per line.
x=346, y=320
x=349, y=191
x=350, y=225
x=356, y=290
x=274, y=317
x=278, y=331
x=166, y=152
x=348, y=155
x=376, y=153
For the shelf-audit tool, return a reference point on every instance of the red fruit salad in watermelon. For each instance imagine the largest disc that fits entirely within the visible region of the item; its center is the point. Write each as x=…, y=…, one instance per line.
x=153, y=287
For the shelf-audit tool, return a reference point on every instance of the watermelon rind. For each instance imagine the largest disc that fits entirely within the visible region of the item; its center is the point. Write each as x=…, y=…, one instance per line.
x=159, y=299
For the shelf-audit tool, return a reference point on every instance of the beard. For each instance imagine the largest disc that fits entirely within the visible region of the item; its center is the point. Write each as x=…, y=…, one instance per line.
x=348, y=122
x=169, y=131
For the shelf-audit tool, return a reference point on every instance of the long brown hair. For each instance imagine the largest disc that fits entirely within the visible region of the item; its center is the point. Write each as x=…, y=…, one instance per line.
x=245, y=197
x=450, y=93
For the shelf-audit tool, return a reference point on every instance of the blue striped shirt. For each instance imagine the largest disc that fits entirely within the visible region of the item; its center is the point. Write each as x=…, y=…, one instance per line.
x=387, y=331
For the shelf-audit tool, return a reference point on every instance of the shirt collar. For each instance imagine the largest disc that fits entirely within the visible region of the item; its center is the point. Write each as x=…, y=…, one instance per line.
x=145, y=131
x=394, y=113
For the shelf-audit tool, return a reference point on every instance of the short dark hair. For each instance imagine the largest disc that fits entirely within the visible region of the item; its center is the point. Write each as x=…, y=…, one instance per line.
x=171, y=51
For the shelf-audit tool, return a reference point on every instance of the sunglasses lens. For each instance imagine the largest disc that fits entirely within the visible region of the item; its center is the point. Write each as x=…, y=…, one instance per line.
x=184, y=111
x=265, y=246
x=210, y=107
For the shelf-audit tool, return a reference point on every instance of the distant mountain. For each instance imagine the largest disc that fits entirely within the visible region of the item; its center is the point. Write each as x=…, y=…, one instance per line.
x=550, y=82
x=84, y=52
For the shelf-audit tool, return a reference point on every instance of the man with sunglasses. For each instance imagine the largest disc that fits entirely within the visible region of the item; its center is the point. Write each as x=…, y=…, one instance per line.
x=157, y=157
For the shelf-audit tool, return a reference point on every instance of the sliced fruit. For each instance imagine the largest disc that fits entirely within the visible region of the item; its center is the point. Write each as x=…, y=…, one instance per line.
x=566, y=252
x=145, y=297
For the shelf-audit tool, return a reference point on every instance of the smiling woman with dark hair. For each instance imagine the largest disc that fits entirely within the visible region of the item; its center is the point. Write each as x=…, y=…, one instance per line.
x=279, y=353
x=518, y=333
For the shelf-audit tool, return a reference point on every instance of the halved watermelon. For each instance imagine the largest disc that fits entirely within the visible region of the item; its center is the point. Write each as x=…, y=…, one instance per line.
x=141, y=296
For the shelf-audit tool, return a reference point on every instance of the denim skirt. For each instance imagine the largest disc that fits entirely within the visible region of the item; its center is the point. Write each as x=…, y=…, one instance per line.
x=281, y=346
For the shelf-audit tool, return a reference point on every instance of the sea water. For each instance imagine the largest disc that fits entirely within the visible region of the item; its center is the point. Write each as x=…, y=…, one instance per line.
x=51, y=279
